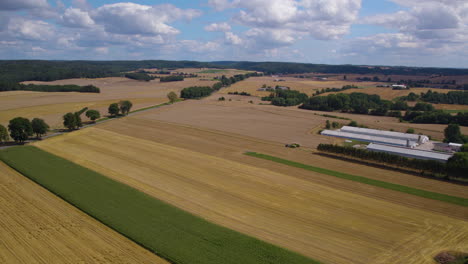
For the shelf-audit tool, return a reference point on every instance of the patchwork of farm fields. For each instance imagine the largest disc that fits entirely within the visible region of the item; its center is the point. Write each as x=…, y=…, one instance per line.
x=331, y=220
x=252, y=84
x=38, y=227
x=52, y=106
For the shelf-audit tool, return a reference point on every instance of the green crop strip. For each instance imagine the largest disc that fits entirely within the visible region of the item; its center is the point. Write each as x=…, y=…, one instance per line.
x=171, y=233
x=391, y=186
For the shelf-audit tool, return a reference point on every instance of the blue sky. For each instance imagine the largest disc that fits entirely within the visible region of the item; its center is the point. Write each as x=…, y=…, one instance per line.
x=372, y=32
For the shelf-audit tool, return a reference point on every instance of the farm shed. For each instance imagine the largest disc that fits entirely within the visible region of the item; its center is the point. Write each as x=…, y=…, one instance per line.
x=419, y=139
x=370, y=138
x=410, y=153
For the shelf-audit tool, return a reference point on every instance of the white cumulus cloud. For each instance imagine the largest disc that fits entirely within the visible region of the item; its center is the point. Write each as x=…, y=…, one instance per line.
x=218, y=27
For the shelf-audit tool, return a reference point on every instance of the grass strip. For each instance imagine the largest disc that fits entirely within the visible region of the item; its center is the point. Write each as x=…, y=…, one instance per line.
x=171, y=233
x=391, y=186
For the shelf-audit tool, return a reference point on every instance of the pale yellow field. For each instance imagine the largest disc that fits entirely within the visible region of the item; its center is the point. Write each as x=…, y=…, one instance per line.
x=252, y=84
x=315, y=219
x=52, y=106
x=38, y=227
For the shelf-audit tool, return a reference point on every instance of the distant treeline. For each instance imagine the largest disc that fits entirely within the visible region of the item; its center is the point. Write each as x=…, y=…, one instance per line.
x=286, y=98
x=289, y=67
x=140, y=76
x=37, y=70
x=172, y=78
x=433, y=166
x=48, y=88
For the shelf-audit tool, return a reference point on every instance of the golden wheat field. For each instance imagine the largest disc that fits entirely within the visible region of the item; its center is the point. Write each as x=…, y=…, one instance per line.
x=304, y=214
x=38, y=227
x=52, y=106
x=252, y=84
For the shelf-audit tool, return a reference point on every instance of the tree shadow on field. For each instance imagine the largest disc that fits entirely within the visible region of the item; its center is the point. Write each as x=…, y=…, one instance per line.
x=392, y=168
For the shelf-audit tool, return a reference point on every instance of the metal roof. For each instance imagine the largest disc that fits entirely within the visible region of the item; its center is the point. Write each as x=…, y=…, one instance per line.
x=409, y=152
x=368, y=138
x=383, y=133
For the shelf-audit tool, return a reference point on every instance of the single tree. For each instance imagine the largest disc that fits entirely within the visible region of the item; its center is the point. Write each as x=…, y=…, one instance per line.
x=93, y=114
x=69, y=121
x=3, y=134
x=453, y=134
x=327, y=124
x=39, y=127
x=78, y=122
x=410, y=131
x=20, y=129
x=172, y=97
x=113, y=109
x=125, y=107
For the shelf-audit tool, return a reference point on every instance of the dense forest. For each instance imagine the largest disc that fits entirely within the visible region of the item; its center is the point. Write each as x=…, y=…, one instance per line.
x=195, y=92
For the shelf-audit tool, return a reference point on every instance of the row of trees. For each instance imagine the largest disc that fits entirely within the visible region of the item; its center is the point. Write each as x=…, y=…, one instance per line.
x=172, y=78
x=327, y=90
x=194, y=92
x=21, y=129
x=453, y=97
x=122, y=108
x=436, y=117
x=423, y=165
x=12, y=86
x=286, y=98
x=139, y=76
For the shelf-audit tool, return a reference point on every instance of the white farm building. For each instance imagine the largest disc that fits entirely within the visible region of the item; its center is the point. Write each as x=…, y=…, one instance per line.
x=410, y=153
x=378, y=136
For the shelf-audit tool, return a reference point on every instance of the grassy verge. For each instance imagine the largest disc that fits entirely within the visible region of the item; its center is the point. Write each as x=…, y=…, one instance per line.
x=166, y=230
x=391, y=186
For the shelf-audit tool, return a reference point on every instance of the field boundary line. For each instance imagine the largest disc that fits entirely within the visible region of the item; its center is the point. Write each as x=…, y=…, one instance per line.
x=382, y=184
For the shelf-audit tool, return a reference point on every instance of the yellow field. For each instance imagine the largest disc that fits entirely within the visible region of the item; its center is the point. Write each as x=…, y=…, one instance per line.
x=38, y=227
x=302, y=212
x=52, y=106
x=252, y=84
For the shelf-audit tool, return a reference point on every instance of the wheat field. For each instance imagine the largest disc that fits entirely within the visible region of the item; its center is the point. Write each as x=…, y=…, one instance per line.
x=317, y=220
x=38, y=227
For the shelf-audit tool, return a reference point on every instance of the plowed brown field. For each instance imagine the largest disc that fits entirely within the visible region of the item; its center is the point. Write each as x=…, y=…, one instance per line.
x=333, y=221
x=38, y=227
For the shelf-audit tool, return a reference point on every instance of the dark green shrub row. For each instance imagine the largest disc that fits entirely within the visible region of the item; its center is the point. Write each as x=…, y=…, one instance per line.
x=327, y=90
x=140, y=76
x=48, y=88
x=240, y=93
x=423, y=165
x=436, y=117
x=453, y=97
x=172, y=78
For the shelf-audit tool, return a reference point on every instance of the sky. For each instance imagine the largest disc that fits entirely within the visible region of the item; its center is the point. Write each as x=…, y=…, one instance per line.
x=426, y=33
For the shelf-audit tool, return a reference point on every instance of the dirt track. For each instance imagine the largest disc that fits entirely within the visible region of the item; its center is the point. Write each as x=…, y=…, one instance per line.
x=38, y=227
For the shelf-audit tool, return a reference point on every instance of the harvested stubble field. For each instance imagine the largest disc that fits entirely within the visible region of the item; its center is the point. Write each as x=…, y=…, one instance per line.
x=252, y=84
x=332, y=220
x=38, y=227
x=280, y=124
x=52, y=106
